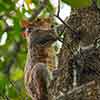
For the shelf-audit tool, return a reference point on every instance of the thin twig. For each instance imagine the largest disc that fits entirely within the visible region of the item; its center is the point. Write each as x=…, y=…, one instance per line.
x=72, y=30
x=58, y=8
x=66, y=24
x=75, y=33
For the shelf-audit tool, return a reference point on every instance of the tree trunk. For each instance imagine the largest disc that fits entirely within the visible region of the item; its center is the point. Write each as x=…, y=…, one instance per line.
x=85, y=64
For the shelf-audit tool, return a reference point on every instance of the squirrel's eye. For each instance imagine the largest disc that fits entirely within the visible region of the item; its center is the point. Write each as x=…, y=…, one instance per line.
x=38, y=19
x=52, y=26
x=29, y=30
x=26, y=29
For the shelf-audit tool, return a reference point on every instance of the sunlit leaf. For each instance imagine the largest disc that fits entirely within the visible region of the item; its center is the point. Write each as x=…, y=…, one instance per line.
x=2, y=25
x=16, y=74
x=98, y=4
x=11, y=91
x=28, y=2
x=78, y=3
x=50, y=7
x=3, y=82
x=36, y=2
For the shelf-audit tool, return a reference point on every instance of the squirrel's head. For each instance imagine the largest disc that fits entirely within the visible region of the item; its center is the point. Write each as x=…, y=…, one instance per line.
x=39, y=32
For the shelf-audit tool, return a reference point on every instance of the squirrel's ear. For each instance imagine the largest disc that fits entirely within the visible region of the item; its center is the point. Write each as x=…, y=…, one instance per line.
x=25, y=24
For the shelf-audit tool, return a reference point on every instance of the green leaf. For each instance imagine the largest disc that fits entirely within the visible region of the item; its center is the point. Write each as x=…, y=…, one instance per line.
x=36, y=2
x=3, y=83
x=2, y=25
x=78, y=3
x=98, y=3
x=11, y=91
x=50, y=7
x=6, y=5
x=16, y=74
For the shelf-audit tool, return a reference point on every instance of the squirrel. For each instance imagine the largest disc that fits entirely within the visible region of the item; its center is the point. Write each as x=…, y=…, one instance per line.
x=40, y=58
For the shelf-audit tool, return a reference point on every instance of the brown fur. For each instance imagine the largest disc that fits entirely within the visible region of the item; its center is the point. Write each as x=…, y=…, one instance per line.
x=39, y=59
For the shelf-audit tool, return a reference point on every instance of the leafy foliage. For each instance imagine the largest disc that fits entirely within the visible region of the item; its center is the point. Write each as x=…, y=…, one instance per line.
x=78, y=3
x=98, y=4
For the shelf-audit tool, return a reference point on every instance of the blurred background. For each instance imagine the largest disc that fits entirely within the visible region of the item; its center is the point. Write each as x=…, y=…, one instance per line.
x=13, y=47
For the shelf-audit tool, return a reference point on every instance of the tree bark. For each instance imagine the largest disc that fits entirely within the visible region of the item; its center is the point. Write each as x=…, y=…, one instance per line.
x=86, y=62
